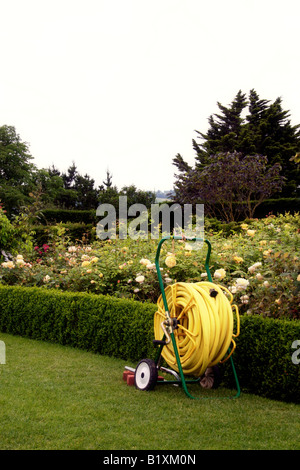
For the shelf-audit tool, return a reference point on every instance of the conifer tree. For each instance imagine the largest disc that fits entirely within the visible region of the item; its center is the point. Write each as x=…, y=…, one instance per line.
x=250, y=126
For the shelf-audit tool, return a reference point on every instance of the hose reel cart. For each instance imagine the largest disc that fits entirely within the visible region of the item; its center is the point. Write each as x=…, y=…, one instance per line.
x=193, y=328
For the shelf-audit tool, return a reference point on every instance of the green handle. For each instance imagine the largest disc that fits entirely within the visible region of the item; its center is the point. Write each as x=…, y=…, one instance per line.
x=161, y=285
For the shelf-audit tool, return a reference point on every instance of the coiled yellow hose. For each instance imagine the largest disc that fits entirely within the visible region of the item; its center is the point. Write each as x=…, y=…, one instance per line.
x=205, y=329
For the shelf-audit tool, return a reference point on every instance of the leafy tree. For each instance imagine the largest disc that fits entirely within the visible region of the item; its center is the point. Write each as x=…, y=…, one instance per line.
x=251, y=126
x=138, y=196
x=51, y=185
x=111, y=195
x=16, y=170
x=67, y=190
x=229, y=184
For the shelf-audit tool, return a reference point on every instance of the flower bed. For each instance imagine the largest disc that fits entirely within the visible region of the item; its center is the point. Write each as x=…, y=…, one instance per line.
x=259, y=263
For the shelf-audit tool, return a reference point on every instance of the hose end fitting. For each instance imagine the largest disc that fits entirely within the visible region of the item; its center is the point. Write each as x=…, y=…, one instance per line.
x=213, y=292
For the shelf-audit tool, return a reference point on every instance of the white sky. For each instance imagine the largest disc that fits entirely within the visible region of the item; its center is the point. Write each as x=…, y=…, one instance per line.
x=123, y=84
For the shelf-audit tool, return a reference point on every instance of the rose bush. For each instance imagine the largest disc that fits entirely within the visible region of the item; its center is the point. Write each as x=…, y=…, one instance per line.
x=259, y=263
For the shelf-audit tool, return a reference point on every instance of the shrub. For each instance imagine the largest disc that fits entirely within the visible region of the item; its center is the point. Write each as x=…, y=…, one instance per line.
x=16, y=236
x=76, y=232
x=51, y=216
x=264, y=357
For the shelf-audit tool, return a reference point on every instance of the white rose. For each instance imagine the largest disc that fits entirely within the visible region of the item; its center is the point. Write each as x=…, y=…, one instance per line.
x=220, y=273
x=145, y=261
x=150, y=266
x=170, y=261
x=252, y=268
x=245, y=299
x=241, y=283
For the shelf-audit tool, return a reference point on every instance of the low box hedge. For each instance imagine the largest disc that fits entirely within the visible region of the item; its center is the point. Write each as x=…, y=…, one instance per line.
x=263, y=357
x=124, y=328
x=98, y=323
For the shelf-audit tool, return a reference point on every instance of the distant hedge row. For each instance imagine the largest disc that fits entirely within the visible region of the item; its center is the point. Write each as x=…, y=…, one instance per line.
x=276, y=206
x=124, y=328
x=52, y=216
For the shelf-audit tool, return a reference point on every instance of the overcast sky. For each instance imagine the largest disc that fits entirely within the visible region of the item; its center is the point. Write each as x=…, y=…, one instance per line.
x=123, y=84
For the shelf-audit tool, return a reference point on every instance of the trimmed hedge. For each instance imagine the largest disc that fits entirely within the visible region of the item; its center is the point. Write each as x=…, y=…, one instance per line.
x=54, y=216
x=97, y=323
x=274, y=206
x=278, y=206
x=124, y=328
x=263, y=357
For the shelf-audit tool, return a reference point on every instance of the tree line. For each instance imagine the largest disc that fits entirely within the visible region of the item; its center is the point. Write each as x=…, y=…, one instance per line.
x=249, y=153
x=21, y=180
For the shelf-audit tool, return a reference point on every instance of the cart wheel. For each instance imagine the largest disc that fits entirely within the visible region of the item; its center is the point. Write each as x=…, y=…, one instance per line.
x=146, y=374
x=211, y=378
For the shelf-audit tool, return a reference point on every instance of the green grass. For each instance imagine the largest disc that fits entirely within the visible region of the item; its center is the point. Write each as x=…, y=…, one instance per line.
x=54, y=397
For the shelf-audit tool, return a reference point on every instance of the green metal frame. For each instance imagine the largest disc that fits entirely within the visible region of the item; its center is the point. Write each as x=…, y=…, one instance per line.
x=183, y=381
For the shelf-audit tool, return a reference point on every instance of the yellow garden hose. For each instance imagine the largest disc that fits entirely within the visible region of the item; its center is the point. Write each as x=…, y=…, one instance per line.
x=205, y=325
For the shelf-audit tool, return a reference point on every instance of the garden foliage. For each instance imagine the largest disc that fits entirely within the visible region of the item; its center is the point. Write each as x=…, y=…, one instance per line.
x=257, y=260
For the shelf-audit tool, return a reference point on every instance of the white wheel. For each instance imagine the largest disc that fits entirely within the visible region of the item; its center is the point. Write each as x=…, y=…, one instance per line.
x=145, y=376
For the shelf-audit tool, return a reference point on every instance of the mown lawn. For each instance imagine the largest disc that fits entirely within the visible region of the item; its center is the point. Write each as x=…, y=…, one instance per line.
x=58, y=398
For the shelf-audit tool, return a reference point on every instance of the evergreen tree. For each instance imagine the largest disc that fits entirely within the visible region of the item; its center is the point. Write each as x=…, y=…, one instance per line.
x=87, y=194
x=108, y=182
x=69, y=177
x=181, y=164
x=251, y=127
x=224, y=132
